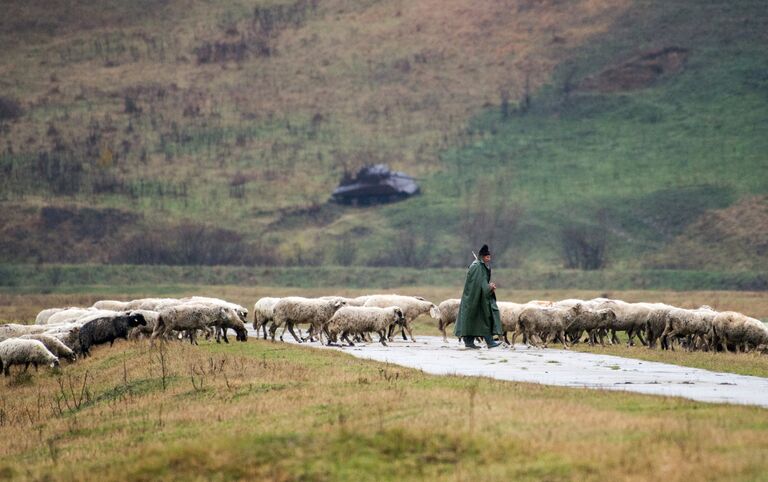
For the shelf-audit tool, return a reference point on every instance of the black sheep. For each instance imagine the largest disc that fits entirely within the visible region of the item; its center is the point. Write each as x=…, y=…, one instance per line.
x=108, y=329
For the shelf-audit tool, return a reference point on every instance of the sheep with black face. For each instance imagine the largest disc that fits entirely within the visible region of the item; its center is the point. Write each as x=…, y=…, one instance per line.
x=107, y=329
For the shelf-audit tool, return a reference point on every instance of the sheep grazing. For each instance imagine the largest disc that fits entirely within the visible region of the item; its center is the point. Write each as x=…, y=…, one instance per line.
x=105, y=329
x=68, y=333
x=54, y=345
x=630, y=317
x=263, y=313
x=191, y=317
x=412, y=307
x=656, y=324
x=732, y=330
x=241, y=311
x=542, y=323
x=234, y=323
x=359, y=320
x=594, y=322
x=18, y=351
x=15, y=330
x=449, y=311
x=144, y=330
x=294, y=310
x=695, y=324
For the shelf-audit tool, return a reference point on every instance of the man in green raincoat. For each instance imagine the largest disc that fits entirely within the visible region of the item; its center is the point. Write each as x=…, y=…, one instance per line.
x=478, y=312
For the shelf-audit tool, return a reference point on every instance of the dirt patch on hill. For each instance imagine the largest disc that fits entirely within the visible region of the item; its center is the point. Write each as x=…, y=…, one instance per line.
x=732, y=238
x=638, y=72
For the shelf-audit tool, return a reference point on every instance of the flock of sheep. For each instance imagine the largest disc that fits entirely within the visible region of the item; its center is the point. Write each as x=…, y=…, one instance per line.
x=538, y=322
x=71, y=332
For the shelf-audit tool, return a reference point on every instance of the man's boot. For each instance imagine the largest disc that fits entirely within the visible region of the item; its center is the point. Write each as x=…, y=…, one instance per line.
x=489, y=341
x=469, y=342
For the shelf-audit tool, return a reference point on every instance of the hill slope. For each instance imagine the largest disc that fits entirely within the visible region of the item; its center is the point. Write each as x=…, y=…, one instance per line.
x=190, y=132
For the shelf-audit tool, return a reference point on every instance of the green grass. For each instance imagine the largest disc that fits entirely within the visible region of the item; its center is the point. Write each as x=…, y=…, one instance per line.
x=105, y=279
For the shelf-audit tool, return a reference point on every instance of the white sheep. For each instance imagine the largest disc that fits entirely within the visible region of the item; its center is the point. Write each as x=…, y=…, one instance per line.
x=263, y=313
x=68, y=333
x=71, y=314
x=359, y=320
x=151, y=318
x=18, y=351
x=733, y=329
x=694, y=324
x=630, y=317
x=294, y=310
x=412, y=307
x=44, y=315
x=656, y=324
x=509, y=313
x=112, y=305
x=449, y=311
x=594, y=322
x=14, y=330
x=191, y=317
x=151, y=304
x=241, y=311
x=537, y=322
x=54, y=345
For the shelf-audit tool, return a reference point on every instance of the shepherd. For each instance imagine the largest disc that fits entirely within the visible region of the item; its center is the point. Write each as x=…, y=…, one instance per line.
x=478, y=311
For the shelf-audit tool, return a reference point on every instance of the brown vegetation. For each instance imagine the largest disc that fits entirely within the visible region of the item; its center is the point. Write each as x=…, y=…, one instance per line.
x=740, y=230
x=638, y=72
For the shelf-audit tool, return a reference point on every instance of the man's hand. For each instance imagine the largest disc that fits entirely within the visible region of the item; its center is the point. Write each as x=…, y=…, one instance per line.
x=493, y=286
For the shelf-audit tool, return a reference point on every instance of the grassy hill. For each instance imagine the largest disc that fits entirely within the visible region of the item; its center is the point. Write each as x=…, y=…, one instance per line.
x=628, y=134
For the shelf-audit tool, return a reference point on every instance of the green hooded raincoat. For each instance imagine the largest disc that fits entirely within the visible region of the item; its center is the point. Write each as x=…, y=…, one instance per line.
x=478, y=312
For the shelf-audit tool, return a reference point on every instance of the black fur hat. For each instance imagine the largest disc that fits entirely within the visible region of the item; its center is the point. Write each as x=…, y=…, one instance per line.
x=484, y=251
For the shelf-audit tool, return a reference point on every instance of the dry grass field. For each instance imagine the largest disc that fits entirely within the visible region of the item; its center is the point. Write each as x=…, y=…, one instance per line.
x=281, y=412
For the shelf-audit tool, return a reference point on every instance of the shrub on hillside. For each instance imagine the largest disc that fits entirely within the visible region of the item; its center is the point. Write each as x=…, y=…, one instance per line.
x=10, y=109
x=191, y=244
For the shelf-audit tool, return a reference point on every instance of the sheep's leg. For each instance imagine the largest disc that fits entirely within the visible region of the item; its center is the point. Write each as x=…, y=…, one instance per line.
x=390, y=331
x=272, y=330
x=344, y=337
x=407, y=327
x=561, y=335
x=289, y=325
x=669, y=334
x=402, y=333
x=640, y=337
x=631, y=337
x=614, y=338
x=382, y=338
x=285, y=327
x=442, y=330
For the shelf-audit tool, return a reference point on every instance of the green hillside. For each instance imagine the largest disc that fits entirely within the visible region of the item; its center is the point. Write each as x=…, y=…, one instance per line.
x=595, y=133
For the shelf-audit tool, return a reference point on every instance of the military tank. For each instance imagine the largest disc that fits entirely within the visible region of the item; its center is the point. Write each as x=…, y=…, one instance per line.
x=375, y=184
